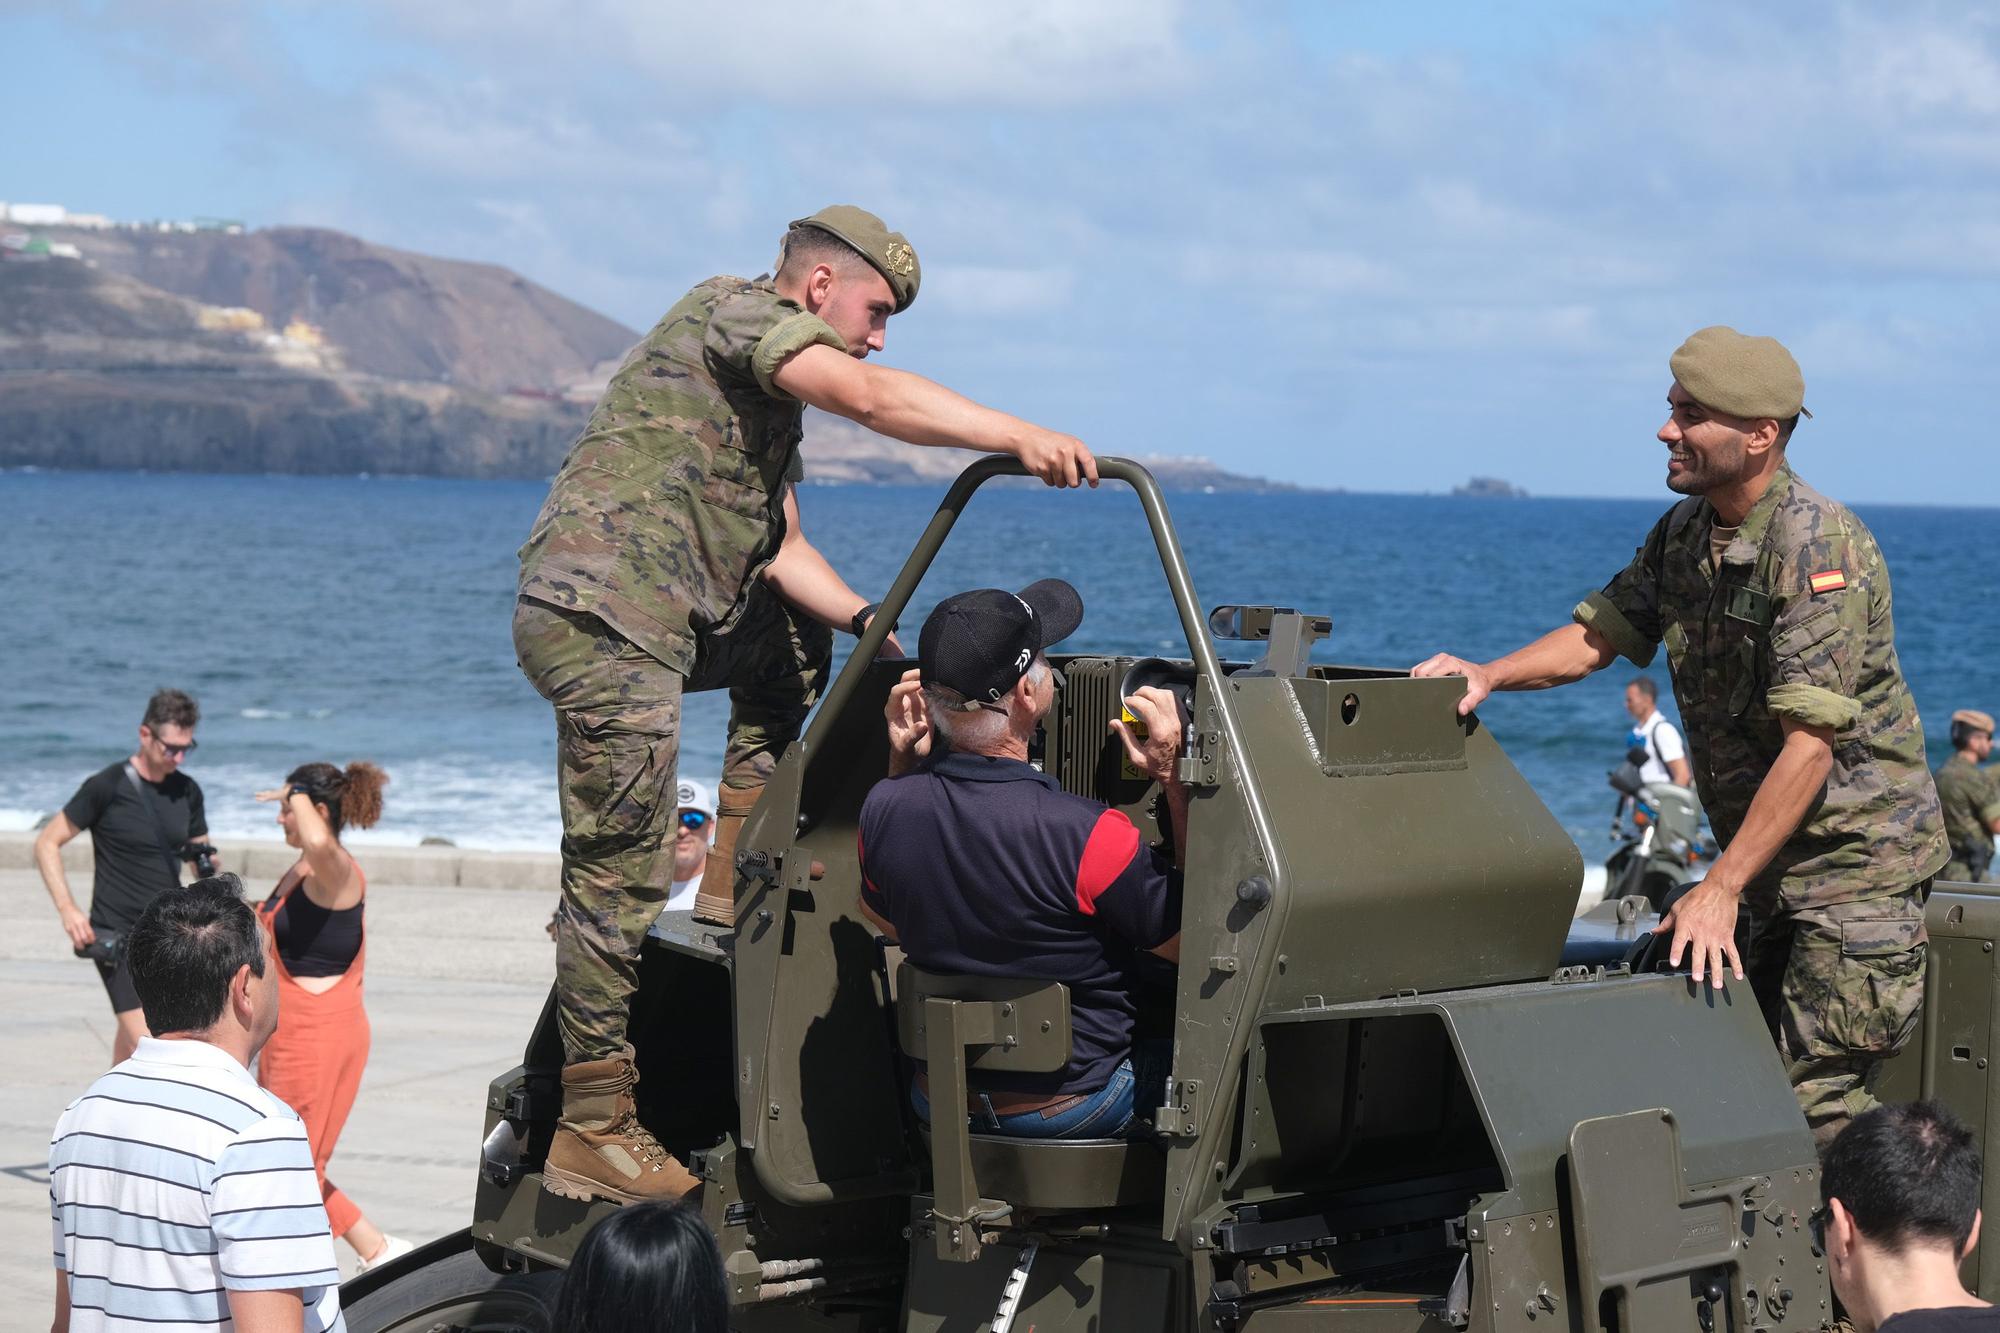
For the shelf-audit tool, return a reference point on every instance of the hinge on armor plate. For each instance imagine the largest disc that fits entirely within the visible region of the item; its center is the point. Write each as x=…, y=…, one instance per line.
x=1199, y=765
x=1177, y=1119
x=1570, y=976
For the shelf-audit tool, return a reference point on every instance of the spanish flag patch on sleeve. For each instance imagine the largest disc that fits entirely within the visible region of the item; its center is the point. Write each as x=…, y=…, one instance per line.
x=1828, y=580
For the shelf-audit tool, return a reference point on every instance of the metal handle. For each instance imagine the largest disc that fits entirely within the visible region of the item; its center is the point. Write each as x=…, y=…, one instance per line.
x=1172, y=562
x=897, y=599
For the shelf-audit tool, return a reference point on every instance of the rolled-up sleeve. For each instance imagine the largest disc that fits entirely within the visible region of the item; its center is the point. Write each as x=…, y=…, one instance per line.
x=753, y=332
x=1819, y=632
x=1626, y=611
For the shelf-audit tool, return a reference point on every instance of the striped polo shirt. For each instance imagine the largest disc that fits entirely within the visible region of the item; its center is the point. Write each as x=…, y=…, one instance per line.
x=176, y=1179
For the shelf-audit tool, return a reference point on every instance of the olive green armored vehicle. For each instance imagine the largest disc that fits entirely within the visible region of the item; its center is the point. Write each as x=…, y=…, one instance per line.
x=1394, y=1104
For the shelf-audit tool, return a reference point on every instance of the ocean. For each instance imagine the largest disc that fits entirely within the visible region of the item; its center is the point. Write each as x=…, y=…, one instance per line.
x=367, y=617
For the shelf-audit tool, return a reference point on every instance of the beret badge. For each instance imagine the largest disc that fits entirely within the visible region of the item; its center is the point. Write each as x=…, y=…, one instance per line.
x=900, y=258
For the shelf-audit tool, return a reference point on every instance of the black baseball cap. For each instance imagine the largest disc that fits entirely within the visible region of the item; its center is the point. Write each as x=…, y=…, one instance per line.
x=981, y=643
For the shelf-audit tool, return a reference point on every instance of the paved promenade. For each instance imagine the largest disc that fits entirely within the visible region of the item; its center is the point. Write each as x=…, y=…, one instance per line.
x=456, y=976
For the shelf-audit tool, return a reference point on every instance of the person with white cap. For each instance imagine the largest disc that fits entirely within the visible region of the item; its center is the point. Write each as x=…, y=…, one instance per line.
x=1970, y=796
x=694, y=829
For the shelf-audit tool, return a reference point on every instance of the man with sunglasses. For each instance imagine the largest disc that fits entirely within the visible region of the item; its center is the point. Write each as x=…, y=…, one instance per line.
x=1901, y=1188
x=144, y=816
x=692, y=836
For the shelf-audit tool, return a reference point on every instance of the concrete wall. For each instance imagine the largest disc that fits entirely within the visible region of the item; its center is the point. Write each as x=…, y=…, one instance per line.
x=261, y=863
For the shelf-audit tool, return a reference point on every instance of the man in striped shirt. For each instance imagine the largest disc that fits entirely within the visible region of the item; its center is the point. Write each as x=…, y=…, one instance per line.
x=182, y=1194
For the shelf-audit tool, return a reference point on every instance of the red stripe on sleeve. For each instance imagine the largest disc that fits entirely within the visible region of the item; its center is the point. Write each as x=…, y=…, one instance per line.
x=1112, y=844
x=861, y=861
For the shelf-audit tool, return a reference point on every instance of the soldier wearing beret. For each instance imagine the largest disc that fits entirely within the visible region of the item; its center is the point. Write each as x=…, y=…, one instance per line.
x=1773, y=603
x=1970, y=796
x=669, y=558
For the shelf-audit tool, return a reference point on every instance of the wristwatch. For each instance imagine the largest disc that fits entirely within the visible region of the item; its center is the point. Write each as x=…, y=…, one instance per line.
x=861, y=618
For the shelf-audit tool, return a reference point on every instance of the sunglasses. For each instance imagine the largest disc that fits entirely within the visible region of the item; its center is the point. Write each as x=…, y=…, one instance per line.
x=177, y=749
x=1816, y=1222
x=694, y=821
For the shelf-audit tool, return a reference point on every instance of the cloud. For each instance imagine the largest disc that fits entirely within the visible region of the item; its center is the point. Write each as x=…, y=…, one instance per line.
x=1240, y=230
x=979, y=289
x=844, y=60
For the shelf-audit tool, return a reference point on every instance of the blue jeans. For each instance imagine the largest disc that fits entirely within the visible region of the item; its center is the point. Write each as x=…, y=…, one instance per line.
x=1139, y=1083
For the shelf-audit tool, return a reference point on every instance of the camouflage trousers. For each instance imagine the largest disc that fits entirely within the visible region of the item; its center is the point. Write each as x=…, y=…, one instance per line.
x=618, y=721
x=1840, y=987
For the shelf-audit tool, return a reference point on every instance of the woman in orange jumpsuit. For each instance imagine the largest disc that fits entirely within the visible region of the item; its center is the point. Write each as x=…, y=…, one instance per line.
x=315, y=1058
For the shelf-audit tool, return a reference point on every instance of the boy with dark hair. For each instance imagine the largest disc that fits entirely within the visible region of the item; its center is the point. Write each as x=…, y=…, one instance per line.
x=142, y=813
x=181, y=1192
x=1901, y=1212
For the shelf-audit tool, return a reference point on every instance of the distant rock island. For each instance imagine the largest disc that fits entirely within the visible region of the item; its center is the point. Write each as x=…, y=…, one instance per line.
x=1490, y=488
x=304, y=350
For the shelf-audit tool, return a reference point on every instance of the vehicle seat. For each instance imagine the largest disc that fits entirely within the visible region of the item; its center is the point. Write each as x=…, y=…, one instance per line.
x=959, y=1023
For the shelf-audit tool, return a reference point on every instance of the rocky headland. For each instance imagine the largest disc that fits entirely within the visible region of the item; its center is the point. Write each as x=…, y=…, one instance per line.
x=303, y=350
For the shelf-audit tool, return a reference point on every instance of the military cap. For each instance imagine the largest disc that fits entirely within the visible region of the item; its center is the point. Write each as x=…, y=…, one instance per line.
x=1735, y=373
x=889, y=252
x=1973, y=718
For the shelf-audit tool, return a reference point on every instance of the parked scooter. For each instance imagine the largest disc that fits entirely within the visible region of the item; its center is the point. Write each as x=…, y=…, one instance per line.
x=1665, y=846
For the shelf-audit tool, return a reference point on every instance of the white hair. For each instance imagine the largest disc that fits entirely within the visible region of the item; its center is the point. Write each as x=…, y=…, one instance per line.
x=967, y=726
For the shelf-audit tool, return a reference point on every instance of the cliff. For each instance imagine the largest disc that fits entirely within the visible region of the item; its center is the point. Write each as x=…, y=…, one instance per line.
x=307, y=351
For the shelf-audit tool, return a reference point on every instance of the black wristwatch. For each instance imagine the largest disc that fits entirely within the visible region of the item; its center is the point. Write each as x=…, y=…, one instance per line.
x=861, y=618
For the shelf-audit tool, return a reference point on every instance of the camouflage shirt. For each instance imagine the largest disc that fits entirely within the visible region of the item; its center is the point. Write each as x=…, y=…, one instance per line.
x=1794, y=623
x=1971, y=799
x=672, y=500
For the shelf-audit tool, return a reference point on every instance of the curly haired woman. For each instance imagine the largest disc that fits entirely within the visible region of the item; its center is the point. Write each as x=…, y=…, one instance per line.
x=315, y=1058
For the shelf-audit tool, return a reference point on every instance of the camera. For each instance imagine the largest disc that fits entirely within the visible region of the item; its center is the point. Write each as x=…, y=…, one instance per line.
x=104, y=949
x=203, y=856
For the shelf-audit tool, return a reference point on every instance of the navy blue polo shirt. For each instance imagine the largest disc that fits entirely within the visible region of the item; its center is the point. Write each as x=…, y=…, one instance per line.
x=986, y=867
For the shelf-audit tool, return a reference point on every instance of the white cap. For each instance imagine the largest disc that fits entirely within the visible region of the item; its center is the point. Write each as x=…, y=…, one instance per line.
x=696, y=796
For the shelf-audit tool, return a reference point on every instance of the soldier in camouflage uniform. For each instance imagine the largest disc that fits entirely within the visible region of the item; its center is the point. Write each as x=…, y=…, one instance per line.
x=1970, y=796
x=669, y=558
x=1773, y=602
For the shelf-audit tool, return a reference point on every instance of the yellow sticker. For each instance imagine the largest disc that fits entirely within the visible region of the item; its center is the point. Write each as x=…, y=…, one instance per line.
x=1128, y=770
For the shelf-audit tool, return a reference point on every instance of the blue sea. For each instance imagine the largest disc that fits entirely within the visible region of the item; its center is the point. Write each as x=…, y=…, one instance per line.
x=367, y=617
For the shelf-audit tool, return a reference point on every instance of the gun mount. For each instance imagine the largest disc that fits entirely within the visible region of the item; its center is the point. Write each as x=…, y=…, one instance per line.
x=1392, y=1105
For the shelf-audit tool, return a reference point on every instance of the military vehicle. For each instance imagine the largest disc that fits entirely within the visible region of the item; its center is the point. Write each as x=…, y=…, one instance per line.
x=1392, y=1104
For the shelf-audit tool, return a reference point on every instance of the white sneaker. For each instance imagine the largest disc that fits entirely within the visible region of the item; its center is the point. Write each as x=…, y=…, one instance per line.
x=393, y=1248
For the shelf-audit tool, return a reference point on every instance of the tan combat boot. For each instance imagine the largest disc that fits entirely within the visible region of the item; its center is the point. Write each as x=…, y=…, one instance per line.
x=715, y=901
x=600, y=1149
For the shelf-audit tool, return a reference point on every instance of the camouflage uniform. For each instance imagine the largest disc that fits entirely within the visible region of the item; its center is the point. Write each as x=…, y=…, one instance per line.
x=639, y=583
x=1796, y=623
x=1971, y=799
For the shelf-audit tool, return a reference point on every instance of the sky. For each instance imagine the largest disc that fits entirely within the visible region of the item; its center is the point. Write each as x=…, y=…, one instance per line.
x=1379, y=246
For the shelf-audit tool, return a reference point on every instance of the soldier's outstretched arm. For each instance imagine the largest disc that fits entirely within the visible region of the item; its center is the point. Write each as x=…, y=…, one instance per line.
x=910, y=408
x=1557, y=658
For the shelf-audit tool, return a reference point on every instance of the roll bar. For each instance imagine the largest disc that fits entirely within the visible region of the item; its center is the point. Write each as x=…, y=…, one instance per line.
x=1172, y=562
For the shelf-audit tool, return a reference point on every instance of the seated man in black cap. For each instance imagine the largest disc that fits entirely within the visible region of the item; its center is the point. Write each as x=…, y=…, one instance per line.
x=979, y=864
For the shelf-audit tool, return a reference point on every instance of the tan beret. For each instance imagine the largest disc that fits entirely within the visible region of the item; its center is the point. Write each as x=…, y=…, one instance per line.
x=889, y=252
x=1735, y=373
x=1973, y=718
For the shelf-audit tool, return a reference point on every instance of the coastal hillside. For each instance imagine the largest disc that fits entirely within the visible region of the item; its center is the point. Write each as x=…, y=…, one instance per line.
x=302, y=350
x=392, y=314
